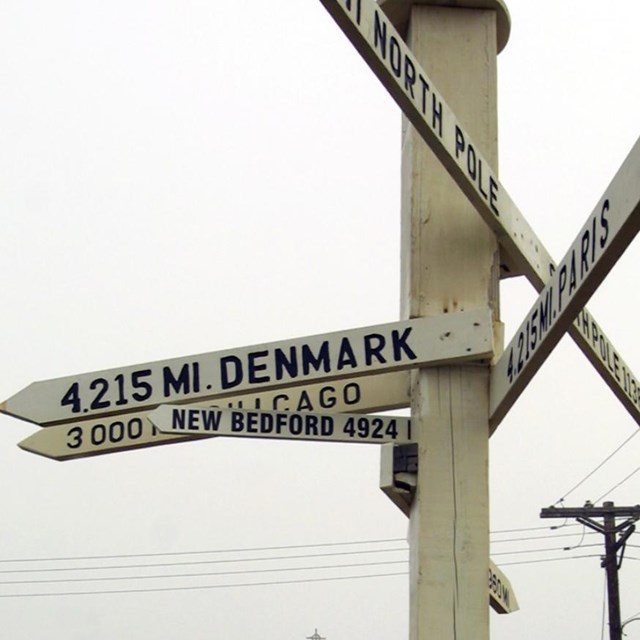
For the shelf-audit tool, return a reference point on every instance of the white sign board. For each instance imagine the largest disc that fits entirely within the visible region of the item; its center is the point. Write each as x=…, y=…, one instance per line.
x=365, y=394
x=456, y=337
x=382, y=47
x=282, y=425
x=606, y=234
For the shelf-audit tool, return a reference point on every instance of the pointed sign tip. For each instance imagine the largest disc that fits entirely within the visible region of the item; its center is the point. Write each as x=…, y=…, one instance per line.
x=29, y=444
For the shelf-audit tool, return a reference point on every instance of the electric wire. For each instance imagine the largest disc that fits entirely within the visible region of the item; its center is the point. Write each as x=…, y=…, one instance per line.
x=542, y=560
x=181, y=553
x=256, y=571
x=277, y=547
x=604, y=495
x=201, y=562
x=499, y=531
x=307, y=556
x=196, y=587
x=548, y=537
x=207, y=573
x=511, y=553
x=570, y=491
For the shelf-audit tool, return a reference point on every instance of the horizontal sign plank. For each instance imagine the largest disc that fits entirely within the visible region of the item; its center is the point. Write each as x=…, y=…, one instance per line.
x=282, y=425
x=382, y=47
x=84, y=438
x=604, y=237
x=456, y=337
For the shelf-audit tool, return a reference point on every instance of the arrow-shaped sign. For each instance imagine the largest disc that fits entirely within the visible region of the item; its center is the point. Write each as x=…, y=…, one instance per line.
x=456, y=337
x=384, y=50
x=282, y=425
x=365, y=394
x=602, y=240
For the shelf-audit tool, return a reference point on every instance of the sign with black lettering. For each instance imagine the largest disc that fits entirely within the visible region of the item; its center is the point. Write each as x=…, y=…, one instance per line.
x=282, y=425
x=98, y=436
x=382, y=47
x=606, y=234
x=501, y=596
x=455, y=337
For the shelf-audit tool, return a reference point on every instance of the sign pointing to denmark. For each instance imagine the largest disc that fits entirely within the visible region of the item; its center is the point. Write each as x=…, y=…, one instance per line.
x=606, y=234
x=456, y=337
x=383, y=49
x=283, y=425
x=98, y=436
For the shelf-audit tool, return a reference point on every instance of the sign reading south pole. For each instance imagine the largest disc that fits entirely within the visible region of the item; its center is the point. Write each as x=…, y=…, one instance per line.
x=282, y=425
x=606, y=234
x=456, y=337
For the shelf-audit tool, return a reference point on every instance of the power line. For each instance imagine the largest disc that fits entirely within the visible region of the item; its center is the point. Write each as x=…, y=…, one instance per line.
x=197, y=587
x=203, y=552
x=604, y=495
x=540, y=560
x=207, y=574
x=633, y=435
x=549, y=537
x=201, y=562
x=256, y=549
x=499, y=531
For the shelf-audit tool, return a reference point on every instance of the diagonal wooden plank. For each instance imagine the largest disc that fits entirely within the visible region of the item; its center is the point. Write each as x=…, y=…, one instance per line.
x=608, y=231
x=382, y=47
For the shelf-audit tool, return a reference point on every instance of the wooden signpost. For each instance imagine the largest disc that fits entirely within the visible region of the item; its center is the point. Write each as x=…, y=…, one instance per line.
x=319, y=387
x=373, y=34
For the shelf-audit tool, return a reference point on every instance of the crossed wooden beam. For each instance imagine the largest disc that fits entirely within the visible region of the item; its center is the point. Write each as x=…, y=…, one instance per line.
x=564, y=288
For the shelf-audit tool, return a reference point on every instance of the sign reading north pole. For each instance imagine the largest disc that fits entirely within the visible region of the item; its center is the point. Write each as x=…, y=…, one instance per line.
x=383, y=49
x=606, y=234
x=456, y=337
x=282, y=425
x=124, y=432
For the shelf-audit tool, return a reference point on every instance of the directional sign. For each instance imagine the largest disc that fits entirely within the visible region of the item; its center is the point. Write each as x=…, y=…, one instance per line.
x=456, y=337
x=365, y=394
x=606, y=234
x=282, y=425
x=95, y=437
x=501, y=595
x=382, y=47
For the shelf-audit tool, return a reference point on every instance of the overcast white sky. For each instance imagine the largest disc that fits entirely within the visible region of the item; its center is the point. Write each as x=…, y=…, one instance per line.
x=183, y=177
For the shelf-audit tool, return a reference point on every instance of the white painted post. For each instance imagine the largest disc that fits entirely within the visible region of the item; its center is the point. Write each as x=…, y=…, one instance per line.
x=450, y=263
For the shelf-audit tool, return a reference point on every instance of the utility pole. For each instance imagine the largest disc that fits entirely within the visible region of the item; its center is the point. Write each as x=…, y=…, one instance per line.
x=615, y=538
x=316, y=636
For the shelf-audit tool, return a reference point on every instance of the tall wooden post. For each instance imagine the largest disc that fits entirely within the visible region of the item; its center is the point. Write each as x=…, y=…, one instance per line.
x=450, y=264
